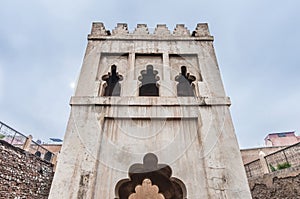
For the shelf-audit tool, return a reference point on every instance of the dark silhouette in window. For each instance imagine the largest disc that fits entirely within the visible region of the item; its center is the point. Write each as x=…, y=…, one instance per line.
x=149, y=79
x=184, y=86
x=159, y=174
x=38, y=153
x=48, y=156
x=112, y=79
x=41, y=170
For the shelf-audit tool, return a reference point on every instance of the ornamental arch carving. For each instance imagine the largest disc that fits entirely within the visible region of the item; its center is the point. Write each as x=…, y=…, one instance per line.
x=150, y=178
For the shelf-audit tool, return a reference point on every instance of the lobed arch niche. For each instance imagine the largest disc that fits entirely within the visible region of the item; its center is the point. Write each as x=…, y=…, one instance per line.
x=112, y=79
x=152, y=180
x=148, y=79
x=185, y=86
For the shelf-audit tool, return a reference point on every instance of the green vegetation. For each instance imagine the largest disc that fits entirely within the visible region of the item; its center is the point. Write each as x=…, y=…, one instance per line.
x=2, y=136
x=272, y=168
x=280, y=166
x=283, y=166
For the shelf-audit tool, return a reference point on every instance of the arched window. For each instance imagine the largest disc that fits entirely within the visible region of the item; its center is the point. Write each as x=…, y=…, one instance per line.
x=184, y=86
x=112, y=79
x=149, y=80
x=48, y=156
x=38, y=153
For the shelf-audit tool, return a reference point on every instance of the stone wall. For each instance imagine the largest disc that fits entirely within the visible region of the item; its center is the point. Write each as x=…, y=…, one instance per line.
x=248, y=155
x=280, y=184
x=23, y=175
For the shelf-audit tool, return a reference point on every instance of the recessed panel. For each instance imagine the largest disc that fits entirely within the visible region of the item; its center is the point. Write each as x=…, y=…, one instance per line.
x=190, y=61
x=142, y=60
x=109, y=59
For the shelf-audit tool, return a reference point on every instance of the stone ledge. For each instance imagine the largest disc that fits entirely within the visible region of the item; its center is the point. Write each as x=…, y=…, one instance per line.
x=150, y=38
x=153, y=101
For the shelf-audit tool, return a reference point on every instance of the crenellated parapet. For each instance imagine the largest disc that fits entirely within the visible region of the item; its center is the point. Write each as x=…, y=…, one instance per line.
x=141, y=29
x=161, y=31
x=98, y=29
x=121, y=29
x=201, y=30
x=181, y=30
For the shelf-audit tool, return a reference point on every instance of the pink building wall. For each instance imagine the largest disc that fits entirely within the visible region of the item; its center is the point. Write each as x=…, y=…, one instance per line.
x=281, y=139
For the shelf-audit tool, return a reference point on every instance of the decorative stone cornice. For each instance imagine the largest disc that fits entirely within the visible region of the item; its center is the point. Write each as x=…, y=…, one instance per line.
x=141, y=29
x=154, y=101
x=201, y=30
x=98, y=29
x=121, y=29
x=141, y=32
x=161, y=29
x=181, y=30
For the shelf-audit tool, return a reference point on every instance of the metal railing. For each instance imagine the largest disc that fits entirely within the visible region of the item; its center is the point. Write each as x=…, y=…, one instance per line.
x=289, y=156
x=12, y=136
x=19, y=140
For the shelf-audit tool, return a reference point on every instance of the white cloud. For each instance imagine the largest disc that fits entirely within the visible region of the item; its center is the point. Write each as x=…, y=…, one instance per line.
x=72, y=85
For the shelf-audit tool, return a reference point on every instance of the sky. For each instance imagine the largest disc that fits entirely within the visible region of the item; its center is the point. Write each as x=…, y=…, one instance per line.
x=257, y=43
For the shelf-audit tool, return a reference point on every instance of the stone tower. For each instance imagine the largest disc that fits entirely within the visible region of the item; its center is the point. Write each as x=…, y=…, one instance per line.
x=150, y=118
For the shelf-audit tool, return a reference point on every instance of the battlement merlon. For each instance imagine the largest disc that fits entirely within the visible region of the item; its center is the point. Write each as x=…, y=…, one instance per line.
x=141, y=32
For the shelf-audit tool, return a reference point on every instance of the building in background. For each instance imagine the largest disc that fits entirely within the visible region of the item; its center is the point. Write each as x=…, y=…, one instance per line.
x=48, y=152
x=273, y=142
x=281, y=139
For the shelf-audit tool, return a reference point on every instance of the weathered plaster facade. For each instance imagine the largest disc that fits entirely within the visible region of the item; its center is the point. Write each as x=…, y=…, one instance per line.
x=191, y=136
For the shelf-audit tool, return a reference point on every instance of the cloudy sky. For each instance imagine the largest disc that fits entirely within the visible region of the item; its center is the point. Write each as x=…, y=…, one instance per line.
x=257, y=42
